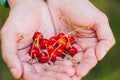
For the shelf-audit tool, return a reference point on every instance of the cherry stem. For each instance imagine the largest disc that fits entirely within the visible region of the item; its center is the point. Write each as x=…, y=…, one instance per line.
x=32, y=47
x=71, y=58
x=58, y=40
x=36, y=58
x=53, y=53
x=47, y=50
x=67, y=20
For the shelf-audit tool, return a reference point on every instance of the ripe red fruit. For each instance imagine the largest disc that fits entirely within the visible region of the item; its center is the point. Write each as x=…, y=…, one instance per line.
x=60, y=35
x=53, y=57
x=72, y=51
x=50, y=48
x=36, y=35
x=43, y=57
x=59, y=52
x=62, y=42
x=71, y=39
x=44, y=43
x=34, y=52
x=52, y=40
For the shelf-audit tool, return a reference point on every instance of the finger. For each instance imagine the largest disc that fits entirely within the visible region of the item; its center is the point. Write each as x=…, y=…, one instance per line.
x=31, y=74
x=9, y=53
x=87, y=63
x=75, y=78
x=90, y=43
x=78, y=56
x=38, y=77
x=58, y=76
x=64, y=62
x=105, y=37
x=69, y=70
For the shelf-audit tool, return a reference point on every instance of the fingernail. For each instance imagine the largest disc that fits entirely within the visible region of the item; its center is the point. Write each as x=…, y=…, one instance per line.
x=14, y=72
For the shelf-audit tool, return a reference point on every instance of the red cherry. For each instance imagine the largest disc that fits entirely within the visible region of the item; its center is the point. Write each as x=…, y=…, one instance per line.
x=59, y=52
x=50, y=48
x=44, y=43
x=72, y=51
x=36, y=36
x=63, y=42
x=34, y=52
x=52, y=40
x=43, y=57
x=71, y=39
x=53, y=57
x=60, y=35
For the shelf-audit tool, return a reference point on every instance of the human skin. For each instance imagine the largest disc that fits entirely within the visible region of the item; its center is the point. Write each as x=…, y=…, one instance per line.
x=94, y=42
x=26, y=18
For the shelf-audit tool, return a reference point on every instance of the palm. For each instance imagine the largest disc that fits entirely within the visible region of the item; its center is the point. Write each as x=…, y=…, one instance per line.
x=41, y=23
x=31, y=68
x=21, y=25
x=82, y=13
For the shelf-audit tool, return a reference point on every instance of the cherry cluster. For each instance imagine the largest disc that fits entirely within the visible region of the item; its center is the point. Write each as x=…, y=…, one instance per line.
x=45, y=50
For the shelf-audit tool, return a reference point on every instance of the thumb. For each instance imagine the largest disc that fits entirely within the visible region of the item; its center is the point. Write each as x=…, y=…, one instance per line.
x=9, y=52
x=105, y=37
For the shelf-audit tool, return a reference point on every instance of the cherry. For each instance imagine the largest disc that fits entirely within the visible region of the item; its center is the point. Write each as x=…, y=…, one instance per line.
x=72, y=51
x=63, y=42
x=53, y=57
x=60, y=35
x=36, y=35
x=50, y=48
x=34, y=52
x=59, y=52
x=44, y=43
x=43, y=57
x=71, y=39
x=52, y=40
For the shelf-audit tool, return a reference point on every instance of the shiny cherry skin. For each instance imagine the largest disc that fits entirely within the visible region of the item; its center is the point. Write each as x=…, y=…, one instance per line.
x=60, y=35
x=50, y=48
x=62, y=42
x=52, y=40
x=71, y=39
x=36, y=35
x=44, y=43
x=72, y=51
x=59, y=52
x=43, y=57
x=53, y=58
x=34, y=52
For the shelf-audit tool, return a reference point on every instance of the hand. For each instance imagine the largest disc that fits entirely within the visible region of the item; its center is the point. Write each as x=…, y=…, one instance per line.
x=95, y=41
x=26, y=17
x=24, y=20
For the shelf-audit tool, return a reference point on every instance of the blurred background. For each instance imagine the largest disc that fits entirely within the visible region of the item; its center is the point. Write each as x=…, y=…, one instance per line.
x=106, y=69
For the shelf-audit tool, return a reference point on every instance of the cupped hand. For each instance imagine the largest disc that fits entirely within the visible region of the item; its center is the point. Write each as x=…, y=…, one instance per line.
x=25, y=18
x=94, y=41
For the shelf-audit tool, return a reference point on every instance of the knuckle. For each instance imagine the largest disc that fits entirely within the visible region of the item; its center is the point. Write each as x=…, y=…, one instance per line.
x=113, y=42
x=104, y=17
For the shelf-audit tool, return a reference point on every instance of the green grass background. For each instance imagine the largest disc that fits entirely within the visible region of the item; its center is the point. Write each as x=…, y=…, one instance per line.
x=109, y=67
